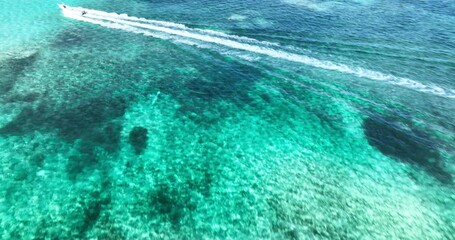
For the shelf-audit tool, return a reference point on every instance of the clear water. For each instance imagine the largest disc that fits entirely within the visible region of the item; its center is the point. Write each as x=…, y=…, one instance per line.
x=333, y=120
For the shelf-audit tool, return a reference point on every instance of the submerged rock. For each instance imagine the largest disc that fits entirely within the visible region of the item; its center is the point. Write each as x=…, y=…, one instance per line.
x=138, y=139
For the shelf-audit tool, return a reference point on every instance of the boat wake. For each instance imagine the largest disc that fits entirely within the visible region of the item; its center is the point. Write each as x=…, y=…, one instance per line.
x=202, y=37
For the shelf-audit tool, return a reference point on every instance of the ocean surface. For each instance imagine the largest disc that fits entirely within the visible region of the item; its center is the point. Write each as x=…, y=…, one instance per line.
x=271, y=119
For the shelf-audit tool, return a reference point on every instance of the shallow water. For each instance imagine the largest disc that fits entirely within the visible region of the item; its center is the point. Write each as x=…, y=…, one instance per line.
x=242, y=119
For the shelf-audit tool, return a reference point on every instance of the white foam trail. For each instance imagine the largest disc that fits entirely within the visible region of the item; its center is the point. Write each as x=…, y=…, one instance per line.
x=138, y=25
x=114, y=25
x=166, y=24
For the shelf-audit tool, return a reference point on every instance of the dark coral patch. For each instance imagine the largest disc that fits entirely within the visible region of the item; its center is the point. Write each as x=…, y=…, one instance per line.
x=72, y=123
x=138, y=139
x=72, y=37
x=405, y=143
x=82, y=119
x=108, y=137
x=25, y=98
x=230, y=81
x=217, y=80
x=169, y=203
x=38, y=159
x=93, y=207
x=11, y=69
x=77, y=164
x=22, y=122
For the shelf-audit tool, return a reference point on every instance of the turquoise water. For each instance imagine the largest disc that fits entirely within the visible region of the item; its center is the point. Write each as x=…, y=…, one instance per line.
x=291, y=119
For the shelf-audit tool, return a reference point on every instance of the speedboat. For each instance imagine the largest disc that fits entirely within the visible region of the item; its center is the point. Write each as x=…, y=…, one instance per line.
x=62, y=6
x=67, y=10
